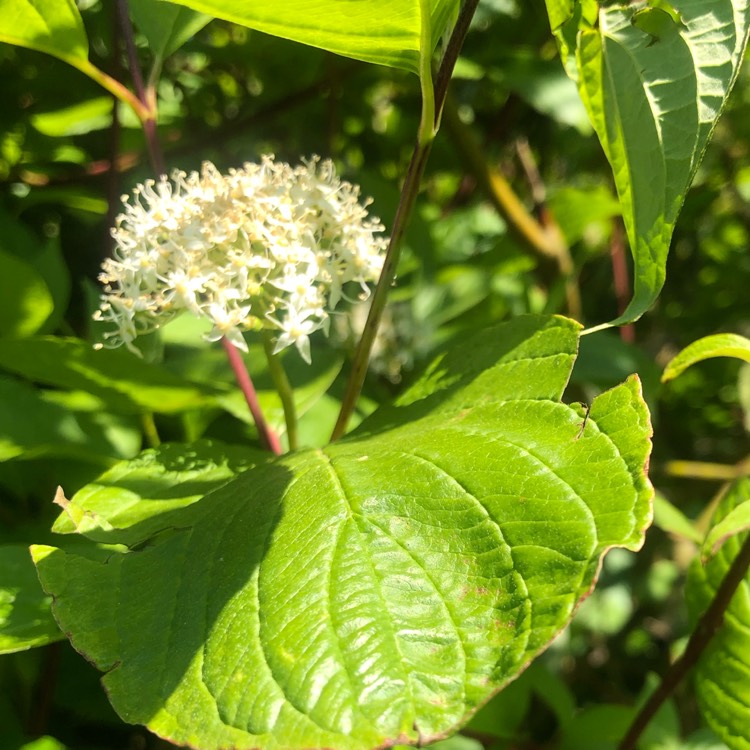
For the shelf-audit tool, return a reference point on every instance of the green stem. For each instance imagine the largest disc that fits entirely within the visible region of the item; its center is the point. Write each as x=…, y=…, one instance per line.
x=114, y=87
x=432, y=104
x=284, y=389
x=149, y=430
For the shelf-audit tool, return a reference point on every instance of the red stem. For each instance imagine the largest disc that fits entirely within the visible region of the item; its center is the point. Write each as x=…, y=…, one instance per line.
x=268, y=438
x=620, y=278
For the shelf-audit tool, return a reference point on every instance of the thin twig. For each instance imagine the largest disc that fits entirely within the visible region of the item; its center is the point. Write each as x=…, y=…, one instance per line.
x=565, y=263
x=706, y=628
x=403, y=214
x=149, y=122
x=268, y=438
x=620, y=277
x=44, y=690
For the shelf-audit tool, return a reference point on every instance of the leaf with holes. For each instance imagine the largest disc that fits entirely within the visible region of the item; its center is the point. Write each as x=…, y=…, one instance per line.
x=377, y=591
x=654, y=77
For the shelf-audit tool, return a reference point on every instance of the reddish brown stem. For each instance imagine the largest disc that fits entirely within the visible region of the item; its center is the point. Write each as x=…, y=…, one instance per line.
x=620, y=277
x=268, y=438
x=149, y=123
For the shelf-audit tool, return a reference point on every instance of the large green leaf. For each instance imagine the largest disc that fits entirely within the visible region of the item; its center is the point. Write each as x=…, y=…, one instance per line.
x=654, y=84
x=377, y=591
x=388, y=32
x=25, y=616
x=51, y=26
x=722, y=675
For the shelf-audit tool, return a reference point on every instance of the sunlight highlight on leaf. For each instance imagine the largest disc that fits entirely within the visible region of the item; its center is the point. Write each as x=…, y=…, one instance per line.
x=654, y=79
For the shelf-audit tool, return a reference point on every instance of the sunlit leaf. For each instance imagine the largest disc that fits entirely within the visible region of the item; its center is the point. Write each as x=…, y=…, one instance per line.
x=388, y=32
x=34, y=423
x=654, y=82
x=51, y=26
x=373, y=592
x=718, y=345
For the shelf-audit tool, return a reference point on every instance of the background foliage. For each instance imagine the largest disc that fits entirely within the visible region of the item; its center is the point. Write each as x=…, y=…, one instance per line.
x=229, y=94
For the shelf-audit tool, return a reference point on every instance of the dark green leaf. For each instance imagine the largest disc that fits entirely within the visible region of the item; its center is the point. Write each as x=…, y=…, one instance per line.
x=118, y=378
x=25, y=300
x=165, y=26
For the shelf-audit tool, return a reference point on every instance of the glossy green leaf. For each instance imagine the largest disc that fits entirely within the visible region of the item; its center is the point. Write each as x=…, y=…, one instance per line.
x=654, y=84
x=388, y=32
x=721, y=675
x=377, y=591
x=118, y=378
x=51, y=26
x=159, y=481
x=25, y=616
x=25, y=300
x=718, y=345
x=167, y=27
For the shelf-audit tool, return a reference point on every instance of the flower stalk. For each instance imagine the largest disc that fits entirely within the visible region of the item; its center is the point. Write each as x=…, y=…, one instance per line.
x=268, y=438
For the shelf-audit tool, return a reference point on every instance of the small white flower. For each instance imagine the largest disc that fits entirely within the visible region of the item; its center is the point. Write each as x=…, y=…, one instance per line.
x=266, y=246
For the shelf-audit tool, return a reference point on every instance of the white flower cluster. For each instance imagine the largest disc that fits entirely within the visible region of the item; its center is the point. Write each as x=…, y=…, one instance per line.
x=268, y=246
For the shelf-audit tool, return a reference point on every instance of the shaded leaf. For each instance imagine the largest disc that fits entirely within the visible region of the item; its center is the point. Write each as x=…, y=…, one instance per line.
x=25, y=616
x=25, y=300
x=121, y=380
x=721, y=675
x=34, y=423
x=718, y=345
x=381, y=589
x=165, y=26
x=654, y=84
